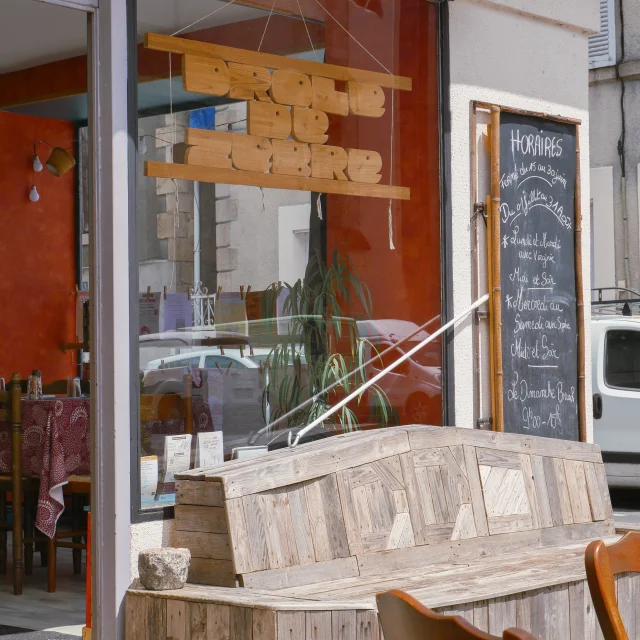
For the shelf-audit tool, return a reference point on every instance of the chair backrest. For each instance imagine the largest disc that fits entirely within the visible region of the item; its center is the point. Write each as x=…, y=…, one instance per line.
x=602, y=563
x=170, y=406
x=10, y=411
x=404, y=618
x=10, y=402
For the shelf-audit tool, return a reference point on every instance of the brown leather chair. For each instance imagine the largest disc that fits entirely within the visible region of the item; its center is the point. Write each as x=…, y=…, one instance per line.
x=603, y=563
x=405, y=618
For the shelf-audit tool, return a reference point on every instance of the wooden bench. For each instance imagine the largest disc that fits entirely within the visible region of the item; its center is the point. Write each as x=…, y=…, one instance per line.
x=295, y=544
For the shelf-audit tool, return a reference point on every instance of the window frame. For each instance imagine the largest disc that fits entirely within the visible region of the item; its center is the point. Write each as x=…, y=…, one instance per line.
x=139, y=515
x=606, y=357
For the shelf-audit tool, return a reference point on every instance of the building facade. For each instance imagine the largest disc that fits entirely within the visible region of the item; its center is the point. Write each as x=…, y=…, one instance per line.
x=159, y=234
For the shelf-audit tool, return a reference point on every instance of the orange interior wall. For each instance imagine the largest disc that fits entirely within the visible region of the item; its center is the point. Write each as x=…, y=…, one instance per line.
x=37, y=254
x=405, y=284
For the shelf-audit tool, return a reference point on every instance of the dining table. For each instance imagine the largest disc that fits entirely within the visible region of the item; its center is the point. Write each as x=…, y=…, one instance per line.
x=56, y=444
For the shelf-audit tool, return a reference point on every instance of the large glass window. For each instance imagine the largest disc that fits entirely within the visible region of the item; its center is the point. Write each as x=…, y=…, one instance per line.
x=268, y=298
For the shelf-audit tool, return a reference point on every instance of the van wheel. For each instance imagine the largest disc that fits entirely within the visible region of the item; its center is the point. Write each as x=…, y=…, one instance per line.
x=420, y=409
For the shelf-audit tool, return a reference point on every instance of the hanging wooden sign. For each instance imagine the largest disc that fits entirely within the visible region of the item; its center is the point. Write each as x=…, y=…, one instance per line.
x=287, y=105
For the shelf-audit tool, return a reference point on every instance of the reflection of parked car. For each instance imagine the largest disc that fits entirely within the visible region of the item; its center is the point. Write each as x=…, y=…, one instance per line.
x=414, y=387
x=213, y=359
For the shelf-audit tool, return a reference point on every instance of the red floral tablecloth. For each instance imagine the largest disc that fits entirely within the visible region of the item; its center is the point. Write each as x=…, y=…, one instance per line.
x=55, y=445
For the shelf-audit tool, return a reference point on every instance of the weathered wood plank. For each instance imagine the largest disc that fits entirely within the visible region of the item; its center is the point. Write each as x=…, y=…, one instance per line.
x=327, y=527
x=197, y=621
x=523, y=610
x=157, y=619
x=280, y=536
x=239, y=536
x=178, y=621
x=429, y=437
x=136, y=617
x=563, y=491
x=502, y=615
x=418, y=520
x=310, y=462
x=367, y=625
x=569, y=532
x=456, y=472
x=481, y=615
x=540, y=482
x=498, y=458
x=475, y=487
x=302, y=575
x=434, y=476
x=426, y=498
x=576, y=608
x=553, y=492
x=218, y=620
x=206, y=494
x=343, y=625
x=204, y=545
x=601, y=476
x=627, y=597
x=402, y=559
x=197, y=518
x=318, y=625
x=577, y=488
x=428, y=458
x=530, y=487
x=256, y=532
x=218, y=573
x=265, y=625
x=240, y=623
x=509, y=524
x=301, y=525
x=596, y=499
x=291, y=625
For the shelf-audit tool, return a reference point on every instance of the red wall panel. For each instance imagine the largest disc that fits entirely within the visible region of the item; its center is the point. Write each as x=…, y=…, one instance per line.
x=37, y=256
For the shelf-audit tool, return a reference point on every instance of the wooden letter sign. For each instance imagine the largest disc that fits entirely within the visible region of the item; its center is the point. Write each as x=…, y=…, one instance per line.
x=287, y=123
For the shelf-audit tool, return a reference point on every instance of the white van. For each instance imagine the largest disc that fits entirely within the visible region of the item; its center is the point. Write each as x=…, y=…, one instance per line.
x=615, y=352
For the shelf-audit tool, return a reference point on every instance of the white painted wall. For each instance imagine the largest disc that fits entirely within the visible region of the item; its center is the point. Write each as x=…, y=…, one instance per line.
x=293, y=242
x=528, y=54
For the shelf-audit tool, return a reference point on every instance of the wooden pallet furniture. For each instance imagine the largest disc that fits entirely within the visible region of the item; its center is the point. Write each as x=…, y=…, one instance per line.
x=298, y=542
x=607, y=567
x=404, y=618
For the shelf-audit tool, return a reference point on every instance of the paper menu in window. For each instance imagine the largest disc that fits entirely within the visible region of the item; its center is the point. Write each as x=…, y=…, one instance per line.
x=177, y=455
x=149, y=306
x=209, y=451
x=148, y=479
x=178, y=312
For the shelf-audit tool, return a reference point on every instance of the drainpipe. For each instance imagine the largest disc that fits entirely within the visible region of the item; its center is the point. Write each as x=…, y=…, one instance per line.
x=196, y=233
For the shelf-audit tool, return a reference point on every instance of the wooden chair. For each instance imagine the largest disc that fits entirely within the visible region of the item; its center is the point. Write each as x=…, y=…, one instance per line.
x=77, y=488
x=404, y=618
x=10, y=412
x=603, y=563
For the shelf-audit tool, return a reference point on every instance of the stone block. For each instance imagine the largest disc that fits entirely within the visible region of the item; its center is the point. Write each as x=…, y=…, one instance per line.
x=184, y=273
x=226, y=259
x=223, y=234
x=165, y=226
x=223, y=191
x=185, y=202
x=181, y=249
x=226, y=210
x=165, y=186
x=225, y=280
x=162, y=569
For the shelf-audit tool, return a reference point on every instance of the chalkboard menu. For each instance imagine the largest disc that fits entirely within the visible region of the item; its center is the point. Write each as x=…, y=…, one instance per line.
x=538, y=276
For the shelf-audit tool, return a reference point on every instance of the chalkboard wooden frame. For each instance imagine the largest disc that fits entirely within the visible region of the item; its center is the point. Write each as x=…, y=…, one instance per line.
x=494, y=258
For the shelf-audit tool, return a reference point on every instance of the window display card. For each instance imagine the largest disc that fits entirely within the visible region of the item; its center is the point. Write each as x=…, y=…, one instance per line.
x=149, y=304
x=178, y=312
x=148, y=479
x=209, y=451
x=177, y=455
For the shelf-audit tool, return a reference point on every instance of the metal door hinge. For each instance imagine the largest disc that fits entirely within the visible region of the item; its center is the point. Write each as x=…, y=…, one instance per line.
x=480, y=208
x=484, y=423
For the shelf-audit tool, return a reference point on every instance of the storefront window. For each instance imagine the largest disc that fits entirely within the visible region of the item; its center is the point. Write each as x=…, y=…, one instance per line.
x=266, y=299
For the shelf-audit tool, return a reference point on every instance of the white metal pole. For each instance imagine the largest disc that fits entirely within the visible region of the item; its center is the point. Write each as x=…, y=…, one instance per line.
x=391, y=367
